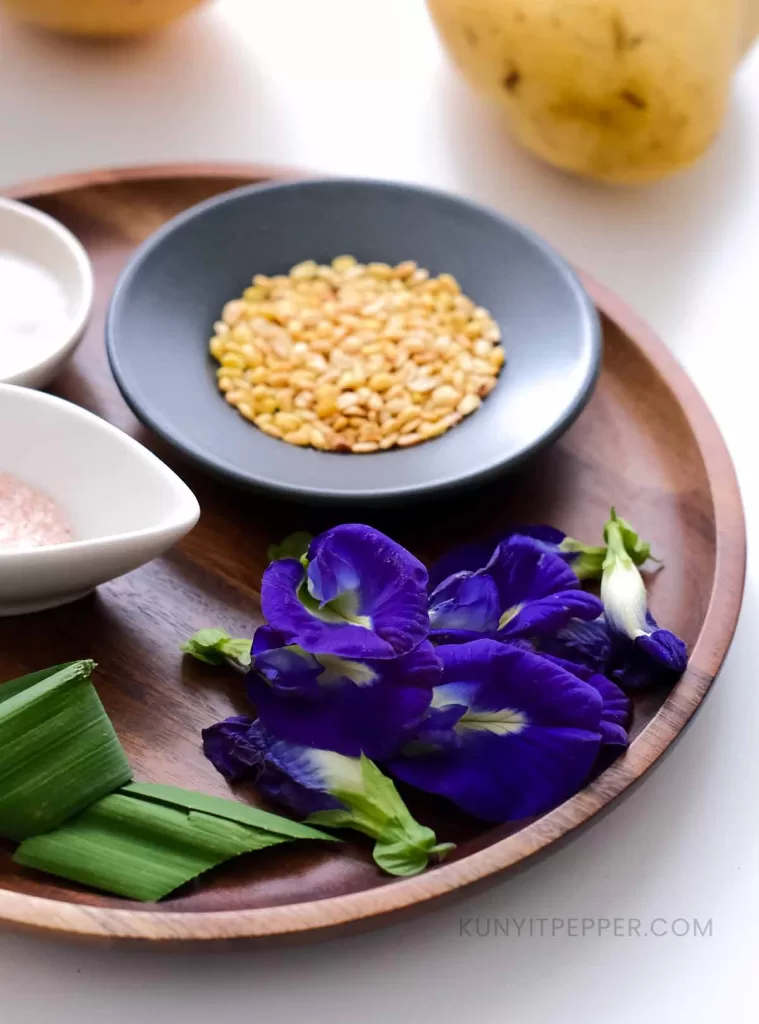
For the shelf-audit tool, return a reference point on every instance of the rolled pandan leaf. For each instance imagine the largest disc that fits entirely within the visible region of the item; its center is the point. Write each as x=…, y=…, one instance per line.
x=145, y=841
x=58, y=750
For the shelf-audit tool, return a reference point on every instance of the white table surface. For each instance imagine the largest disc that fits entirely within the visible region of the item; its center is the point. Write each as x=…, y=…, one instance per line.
x=349, y=87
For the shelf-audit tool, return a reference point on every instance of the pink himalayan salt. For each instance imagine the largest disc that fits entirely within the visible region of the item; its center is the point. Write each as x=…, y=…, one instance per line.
x=29, y=518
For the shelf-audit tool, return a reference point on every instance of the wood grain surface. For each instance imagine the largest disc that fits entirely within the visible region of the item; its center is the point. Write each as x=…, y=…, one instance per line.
x=646, y=442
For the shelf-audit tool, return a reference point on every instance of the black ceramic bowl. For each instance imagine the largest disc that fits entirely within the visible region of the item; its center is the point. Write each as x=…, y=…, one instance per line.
x=173, y=289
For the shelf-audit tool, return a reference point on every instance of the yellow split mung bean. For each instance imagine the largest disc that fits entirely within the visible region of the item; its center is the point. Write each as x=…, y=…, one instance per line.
x=355, y=357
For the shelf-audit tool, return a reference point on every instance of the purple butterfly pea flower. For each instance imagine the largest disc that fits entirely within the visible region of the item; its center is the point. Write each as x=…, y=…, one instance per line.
x=652, y=658
x=615, y=710
x=233, y=749
x=337, y=791
x=347, y=705
x=359, y=595
x=240, y=748
x=583, y=643
x=643, y=653
x=662, y=646
x=510, y=734
x=523, y=591
x=615, y=718
x=476, y=554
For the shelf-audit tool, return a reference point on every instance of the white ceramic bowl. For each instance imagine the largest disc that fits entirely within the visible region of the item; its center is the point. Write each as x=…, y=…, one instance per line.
x=125, y=506
x=27, y=233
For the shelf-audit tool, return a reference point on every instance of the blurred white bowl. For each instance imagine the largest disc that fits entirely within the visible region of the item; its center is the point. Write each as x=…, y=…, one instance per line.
x=124, y=505
x=41, y=240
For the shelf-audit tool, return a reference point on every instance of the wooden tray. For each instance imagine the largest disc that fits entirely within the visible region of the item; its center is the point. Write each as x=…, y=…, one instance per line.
x=646, y=442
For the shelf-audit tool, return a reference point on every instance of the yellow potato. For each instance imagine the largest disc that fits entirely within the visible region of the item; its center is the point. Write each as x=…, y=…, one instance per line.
x=617, y=90
x=99, y=17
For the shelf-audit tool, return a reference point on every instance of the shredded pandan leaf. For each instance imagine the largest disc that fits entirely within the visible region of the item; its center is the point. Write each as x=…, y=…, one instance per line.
x=58, y=750
x=147, y=840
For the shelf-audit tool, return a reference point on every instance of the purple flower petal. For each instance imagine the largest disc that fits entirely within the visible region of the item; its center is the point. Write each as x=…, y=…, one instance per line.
x=283, y=606
x=294, y=776
x=265, y=638
x=548, y=536
x=524, y=571
x=285, y=672
x=240, y=748
x=476, y=555
x=546, y=615
x=363, y=595
x=587, y=643
x=615, y=714
x=343, y=705
x=664, y=648
x=332, y=571
x=523, y=591
x=615, y=717
x=436, y=730
x=526, y=739
x=464, y=558
x=465, y=602
x=581, y=671
x=234, y=749
x=649, y=660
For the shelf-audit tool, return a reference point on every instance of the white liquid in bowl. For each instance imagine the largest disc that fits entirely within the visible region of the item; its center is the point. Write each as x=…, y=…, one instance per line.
x=34, y=313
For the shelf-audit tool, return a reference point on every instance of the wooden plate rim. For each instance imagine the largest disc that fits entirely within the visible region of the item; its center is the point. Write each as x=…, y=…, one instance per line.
x=57, y=917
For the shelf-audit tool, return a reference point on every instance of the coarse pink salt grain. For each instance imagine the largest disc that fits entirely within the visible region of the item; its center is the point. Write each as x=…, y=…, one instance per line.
x=29, y=518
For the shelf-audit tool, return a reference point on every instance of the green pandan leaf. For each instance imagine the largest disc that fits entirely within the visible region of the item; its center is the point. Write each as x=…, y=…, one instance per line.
x=14, y=686
x=217, y=647
x=138, y=848
x=58, y=749
x=147, y=840
x=232, y=810
x=60, y=762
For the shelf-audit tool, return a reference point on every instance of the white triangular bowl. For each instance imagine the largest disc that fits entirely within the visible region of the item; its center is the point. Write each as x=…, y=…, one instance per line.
x=125, y=506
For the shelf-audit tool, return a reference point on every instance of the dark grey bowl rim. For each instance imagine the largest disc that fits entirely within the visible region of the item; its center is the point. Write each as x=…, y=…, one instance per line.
x=220, y=469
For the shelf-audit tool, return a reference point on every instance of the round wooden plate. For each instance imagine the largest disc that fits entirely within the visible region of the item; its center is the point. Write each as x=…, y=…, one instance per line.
x=646, y=443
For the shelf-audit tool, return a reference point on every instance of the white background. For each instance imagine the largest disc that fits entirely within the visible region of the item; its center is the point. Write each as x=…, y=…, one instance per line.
x=346, y=86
